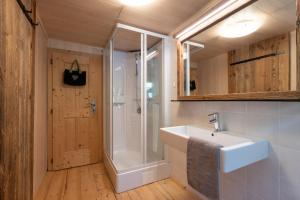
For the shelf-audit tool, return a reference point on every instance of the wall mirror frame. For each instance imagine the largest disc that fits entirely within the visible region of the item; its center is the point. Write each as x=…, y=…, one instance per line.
x=270, y=95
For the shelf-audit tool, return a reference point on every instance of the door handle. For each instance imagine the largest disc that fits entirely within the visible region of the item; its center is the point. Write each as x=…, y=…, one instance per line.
x=93, y=106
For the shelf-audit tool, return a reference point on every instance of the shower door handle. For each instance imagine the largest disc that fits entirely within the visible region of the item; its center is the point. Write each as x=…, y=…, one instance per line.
x=93, y=106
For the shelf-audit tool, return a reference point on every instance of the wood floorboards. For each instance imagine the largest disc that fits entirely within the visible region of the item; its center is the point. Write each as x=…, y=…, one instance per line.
x=92, y=183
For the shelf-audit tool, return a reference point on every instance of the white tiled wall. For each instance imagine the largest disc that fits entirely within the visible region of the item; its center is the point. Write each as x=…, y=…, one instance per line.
x=277, y=178
x=279, y=122
x=126, y=119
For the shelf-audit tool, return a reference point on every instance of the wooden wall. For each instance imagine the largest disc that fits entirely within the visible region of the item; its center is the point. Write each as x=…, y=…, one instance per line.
x=16, y=102
x=40, y=107
x=267, y=74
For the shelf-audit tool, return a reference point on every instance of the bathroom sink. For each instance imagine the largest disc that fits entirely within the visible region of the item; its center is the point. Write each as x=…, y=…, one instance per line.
x=237, y=152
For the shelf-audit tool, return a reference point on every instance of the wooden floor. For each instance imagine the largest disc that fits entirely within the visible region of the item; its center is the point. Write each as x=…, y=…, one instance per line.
x=92, y=183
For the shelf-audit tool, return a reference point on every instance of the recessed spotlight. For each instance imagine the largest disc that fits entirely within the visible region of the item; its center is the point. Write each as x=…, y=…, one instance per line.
x=136, y=2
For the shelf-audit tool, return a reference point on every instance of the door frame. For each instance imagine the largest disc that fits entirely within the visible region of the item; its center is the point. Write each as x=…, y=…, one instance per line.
x=50, y=100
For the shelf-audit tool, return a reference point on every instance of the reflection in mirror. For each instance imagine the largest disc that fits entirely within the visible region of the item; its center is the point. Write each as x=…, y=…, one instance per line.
x=190, y=48
x=253, y=50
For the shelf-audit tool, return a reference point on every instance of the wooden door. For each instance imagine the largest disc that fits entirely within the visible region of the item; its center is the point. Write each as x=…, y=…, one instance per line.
x=75, y=128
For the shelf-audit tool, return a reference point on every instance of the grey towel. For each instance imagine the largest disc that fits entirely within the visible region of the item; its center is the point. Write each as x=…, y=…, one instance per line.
x=202, y=167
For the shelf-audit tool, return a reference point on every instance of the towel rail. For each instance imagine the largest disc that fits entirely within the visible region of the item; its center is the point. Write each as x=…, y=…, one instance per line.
x=256, y=58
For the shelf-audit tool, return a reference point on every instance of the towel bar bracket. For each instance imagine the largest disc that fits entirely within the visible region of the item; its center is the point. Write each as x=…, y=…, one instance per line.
x=27, y=13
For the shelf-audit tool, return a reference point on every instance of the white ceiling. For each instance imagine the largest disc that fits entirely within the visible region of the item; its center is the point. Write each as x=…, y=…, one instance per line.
x=92, y=21
x=125, y=40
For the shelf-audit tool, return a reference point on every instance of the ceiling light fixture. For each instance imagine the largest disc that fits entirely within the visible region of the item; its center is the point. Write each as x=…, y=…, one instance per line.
x=221, y=10
x=235, y=28
x=135, y=3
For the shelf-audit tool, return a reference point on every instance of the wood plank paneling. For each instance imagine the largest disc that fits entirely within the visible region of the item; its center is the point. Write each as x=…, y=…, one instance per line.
x=262, y=75
x=93, y=21
x=16, y=102
x=180, y=69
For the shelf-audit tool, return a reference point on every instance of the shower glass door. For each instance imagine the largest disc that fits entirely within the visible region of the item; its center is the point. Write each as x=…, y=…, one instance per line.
x=135, y=79
x=127, y=141
x=154, y=67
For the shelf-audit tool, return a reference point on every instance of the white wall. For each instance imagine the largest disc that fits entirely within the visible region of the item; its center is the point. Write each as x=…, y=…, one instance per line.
x=40, y=108
x=279, y=122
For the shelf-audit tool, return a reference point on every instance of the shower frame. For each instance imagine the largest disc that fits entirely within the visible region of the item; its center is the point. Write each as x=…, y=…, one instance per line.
x=148, y=172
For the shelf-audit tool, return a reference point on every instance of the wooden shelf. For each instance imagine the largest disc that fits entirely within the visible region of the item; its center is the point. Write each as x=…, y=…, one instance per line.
x=257, y=96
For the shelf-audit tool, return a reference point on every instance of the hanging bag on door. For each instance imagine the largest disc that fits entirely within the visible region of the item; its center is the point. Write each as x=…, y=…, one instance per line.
x=74, y=76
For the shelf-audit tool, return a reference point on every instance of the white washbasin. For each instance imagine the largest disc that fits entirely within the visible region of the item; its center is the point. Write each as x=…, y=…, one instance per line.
x=236, y=152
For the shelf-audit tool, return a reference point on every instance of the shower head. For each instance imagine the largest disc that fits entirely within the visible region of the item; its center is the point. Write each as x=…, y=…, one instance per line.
x=152, y=54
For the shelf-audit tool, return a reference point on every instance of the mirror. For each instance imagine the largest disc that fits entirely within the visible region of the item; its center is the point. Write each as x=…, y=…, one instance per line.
x=251, y=52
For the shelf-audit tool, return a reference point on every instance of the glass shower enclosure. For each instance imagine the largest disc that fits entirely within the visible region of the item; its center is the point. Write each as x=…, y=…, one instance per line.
x=133, y=74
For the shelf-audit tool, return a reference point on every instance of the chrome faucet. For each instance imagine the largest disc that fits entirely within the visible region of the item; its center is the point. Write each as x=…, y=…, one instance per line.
x=214, y=119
